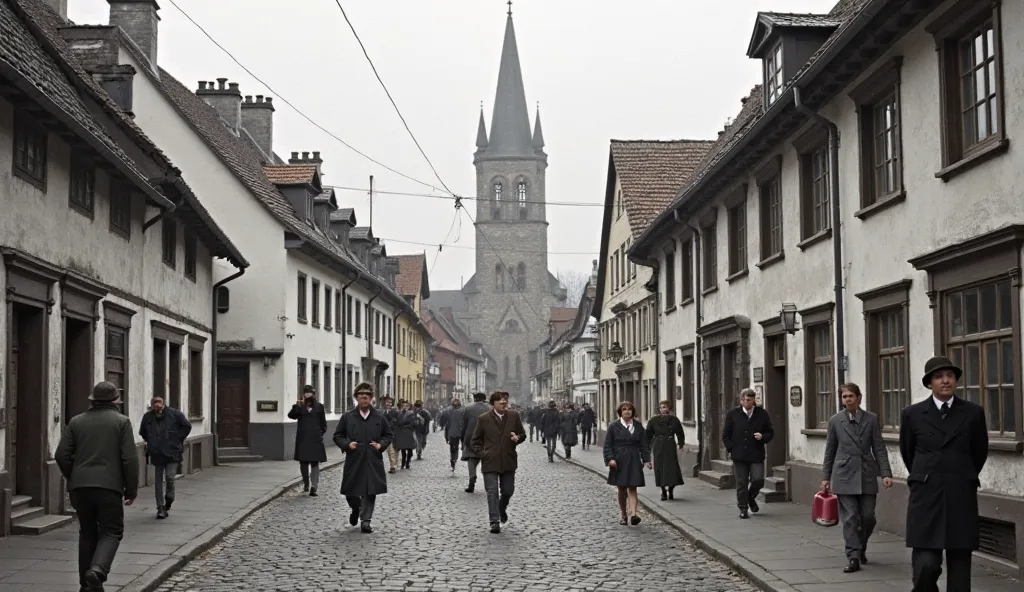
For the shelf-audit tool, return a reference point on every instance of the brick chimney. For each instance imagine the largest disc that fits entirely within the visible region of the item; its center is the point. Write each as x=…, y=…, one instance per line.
x=226, y=99
x=60, y=7
x=139, y=20
x=307, y=158
x=258, y=120
x=97, y=49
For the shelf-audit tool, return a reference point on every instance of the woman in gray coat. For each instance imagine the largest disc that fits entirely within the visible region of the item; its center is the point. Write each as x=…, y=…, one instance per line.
x=855, y=457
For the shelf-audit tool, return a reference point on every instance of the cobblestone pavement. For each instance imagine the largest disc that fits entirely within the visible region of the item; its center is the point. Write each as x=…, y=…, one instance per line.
x=563, y=534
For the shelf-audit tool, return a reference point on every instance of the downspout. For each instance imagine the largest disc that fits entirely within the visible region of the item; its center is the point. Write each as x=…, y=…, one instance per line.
x=837, y=242
x=344, y=341
x=213, y=365
x=698, y=351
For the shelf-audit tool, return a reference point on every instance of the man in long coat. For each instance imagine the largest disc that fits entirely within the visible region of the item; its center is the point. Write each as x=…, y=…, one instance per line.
x=746, y=430
x=472, y=413
x=550, y=426
x=588, y=421
x=363, y=434
x=391, y=414
x=309, y=438
x=855, y=457
x=570, y=437
x=452, y=424
x=944, y=445
x=495, y=438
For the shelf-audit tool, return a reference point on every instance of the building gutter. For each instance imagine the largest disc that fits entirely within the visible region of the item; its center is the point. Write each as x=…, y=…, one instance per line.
x=698, y=351
x=344, y=340
x=171, y=178
x=837, y=241
x=213, y=364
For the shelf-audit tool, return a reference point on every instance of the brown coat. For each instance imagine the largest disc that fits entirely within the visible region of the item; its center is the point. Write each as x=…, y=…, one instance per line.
x=492, y=441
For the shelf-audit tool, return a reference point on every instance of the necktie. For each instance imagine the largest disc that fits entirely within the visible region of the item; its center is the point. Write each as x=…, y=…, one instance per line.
x=944, y=410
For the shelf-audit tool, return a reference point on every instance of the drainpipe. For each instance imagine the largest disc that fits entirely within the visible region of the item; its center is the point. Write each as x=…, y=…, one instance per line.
x=213, y=365
x=837, y=243
x=698, y=351
x=369, y=335
x=170, y=179
x=344, y=341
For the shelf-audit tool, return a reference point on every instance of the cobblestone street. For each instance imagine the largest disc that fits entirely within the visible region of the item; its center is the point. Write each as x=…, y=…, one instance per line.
x=562, y=534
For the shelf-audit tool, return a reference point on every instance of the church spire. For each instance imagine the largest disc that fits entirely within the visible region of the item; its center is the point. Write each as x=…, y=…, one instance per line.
x=481, y=131
x=538, y=133
x=510, y=124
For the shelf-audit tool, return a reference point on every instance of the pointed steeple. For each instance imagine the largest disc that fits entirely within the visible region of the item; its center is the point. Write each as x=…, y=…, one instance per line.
x=481, y=131
x=510, y=124
x=538, y=133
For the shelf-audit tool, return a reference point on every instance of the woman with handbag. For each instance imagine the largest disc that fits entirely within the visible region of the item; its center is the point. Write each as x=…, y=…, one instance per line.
x=626, y=453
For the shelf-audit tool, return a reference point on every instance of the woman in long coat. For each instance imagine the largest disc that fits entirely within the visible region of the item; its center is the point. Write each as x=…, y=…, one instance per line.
x=664, y=432
x=405, y=433
x=309, y=438
x=626, y=452
x=570, y=420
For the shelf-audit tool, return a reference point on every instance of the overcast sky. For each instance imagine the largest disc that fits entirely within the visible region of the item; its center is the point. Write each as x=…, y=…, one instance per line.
x=600, y=69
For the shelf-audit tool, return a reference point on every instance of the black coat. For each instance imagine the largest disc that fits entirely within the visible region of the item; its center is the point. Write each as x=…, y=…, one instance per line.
x=663, y=432
x=309, y=433
x=588, y=419
x=405, y=426
x=425, y=415
x=364, y=472
x=165, y=435
x=629, y=451
x=943, y=458
x=570, y=419
x=738, y=434
x=550, y=422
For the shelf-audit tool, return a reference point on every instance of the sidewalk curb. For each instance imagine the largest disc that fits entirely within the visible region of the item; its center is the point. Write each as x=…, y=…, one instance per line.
x=746, y=568
x=160, y=572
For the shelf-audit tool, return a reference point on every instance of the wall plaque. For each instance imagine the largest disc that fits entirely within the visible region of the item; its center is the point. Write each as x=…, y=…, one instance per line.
x=759, y=374
x=266, y=405
x=796, y=396
x=679, y=393
x=759, y=395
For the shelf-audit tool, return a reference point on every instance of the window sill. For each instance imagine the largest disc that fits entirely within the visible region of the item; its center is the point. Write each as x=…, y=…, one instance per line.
x=338, y=330
x=738, y=275
x=976, y=158
x=83, y=210
x=191, y=277
x=881, y=204
x=689, y=423
x=170, y=264
x=121, y=232
x=686, y=302
x=303, y=321
x=670, y=309
x=814, y=239
x=709, y=290
x=27, y=177
x=194, y=418
x=815, y=432
x=771, y=260
x=328, y=328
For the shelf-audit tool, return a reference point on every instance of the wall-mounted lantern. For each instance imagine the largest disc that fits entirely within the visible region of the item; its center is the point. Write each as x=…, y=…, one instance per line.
x=788, y=317
x=615, y=351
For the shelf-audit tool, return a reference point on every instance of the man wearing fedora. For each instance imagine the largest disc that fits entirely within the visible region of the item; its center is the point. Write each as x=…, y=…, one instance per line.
x=944, y=445
x=97, y=457
x=391, y=415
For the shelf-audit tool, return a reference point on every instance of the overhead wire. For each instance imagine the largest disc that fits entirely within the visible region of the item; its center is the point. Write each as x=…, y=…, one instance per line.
x=522, y=251
x=467, y=197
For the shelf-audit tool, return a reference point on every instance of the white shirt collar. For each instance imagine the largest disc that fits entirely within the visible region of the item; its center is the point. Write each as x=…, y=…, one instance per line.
x=938, y=402
x=749, y=413
x=365, y=414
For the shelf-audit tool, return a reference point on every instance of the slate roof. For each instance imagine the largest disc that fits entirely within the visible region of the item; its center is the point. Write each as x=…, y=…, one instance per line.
x=651, y=173
x=290, y=174
x=412, y=275
x=360, y=233
x=793, y=19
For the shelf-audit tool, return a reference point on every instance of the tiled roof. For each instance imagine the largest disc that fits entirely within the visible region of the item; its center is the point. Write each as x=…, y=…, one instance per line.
x=411, y=271
x=652, y=173
x=290, y=174
x=792, y=19
x=344, y=215
x=360, y=233
x=325, y=197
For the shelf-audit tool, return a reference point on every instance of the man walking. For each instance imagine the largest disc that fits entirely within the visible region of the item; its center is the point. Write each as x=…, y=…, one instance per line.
x=164, y=429
x=309, y=438
x=747, y=429
x=423, y=429
x=453, y=430
x=944, y=445
x=550, y=425
x=392, y=415
x=363, y=434
x=533, y=418
x=588, y=421
x=855, y=441
x=470, y=416
x=495, y=438
x=97, y=457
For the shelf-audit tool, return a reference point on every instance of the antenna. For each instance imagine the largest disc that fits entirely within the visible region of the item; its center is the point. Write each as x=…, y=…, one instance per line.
x=371, y=201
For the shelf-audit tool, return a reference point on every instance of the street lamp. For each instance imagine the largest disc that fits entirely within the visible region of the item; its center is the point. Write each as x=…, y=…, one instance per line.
x=615, y=351
x=788, y=317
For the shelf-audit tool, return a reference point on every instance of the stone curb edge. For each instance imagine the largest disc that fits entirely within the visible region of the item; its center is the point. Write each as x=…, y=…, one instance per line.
x=159, y=573
x=757, y=576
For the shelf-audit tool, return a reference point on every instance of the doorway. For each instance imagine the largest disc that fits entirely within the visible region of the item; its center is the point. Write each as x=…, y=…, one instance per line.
x=776, y=399
x=78, y=348
x=26, y=396
x=716, y=400
x=232, y=405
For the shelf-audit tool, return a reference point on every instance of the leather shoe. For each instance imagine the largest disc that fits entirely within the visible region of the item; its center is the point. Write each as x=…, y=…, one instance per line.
x=365, y=527
x=353, y=518
x=743, y=513
x=93, y=580
x=863, y=557
x=851, y=567
x=753, y=506
x=495, y=528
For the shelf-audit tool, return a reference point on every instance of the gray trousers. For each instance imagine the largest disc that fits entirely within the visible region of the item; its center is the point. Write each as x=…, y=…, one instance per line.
x=164, y=487
x=499, y=488
x=364, y=504
x=857, y=515
x=310, y=472
x=474, y=465
x=749, y=481
x=550, y=442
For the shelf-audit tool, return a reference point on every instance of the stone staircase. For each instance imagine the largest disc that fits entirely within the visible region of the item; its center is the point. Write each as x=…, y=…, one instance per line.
x=720, y=475
x=29, y=519
x=237, y=455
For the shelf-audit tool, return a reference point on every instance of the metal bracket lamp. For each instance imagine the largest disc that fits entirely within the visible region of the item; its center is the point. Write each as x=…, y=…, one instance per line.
x=788, y=317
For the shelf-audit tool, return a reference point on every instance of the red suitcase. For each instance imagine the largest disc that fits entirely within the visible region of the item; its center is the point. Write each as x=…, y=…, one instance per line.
x=825, y=509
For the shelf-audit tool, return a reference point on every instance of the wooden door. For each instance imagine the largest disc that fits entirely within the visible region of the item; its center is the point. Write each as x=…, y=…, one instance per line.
x=13, y=364
x=28, y=405
x=716, y=413
x=232, y=406
x=78, y=354
x=776, y=400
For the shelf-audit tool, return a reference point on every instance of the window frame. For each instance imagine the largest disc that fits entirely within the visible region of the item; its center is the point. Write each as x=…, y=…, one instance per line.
x=670, y=277
x=27, y=127
x=328, y=313
x=82, y=178
x=686, y=270
x=190, y=247
x=709, y=254
x=813, y=163
x=169, y=242
x=301, y=297
x=118, y=319
x=883, y=86
x=813, y=320
x=736, y=222
x=120, y=203
x=774, y=72
x=769, y=185
x=195, y=379
x=300, y=375
x=884, y=300
x=314, y=306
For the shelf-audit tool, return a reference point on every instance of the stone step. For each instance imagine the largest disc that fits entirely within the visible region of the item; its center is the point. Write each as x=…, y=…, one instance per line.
x=718, y=479
x=40, y=525
x=772, y=497
x=775, y=484
x=721, y=466
x=780, y=472
x=19, y=501
x=238, y=458
x=24, y=512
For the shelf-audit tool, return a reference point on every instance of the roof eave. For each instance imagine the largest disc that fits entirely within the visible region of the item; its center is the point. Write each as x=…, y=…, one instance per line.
x=227, y=250
x=609, y=203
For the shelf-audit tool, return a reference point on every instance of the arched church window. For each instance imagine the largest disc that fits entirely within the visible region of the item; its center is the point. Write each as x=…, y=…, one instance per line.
x=497, y=191
x=506, y=368
x=499, y=278
x=519, y=367
x=521, y=198
x=521, y=276
x=496, y=206
x=512, y=326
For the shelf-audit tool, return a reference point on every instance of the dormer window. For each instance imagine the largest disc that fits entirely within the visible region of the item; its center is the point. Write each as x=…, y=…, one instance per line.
x=774, y=74
x=309, y=209
x=784, y=42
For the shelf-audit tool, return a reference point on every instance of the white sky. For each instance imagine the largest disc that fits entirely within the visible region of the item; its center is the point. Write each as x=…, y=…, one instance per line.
x=600, y=69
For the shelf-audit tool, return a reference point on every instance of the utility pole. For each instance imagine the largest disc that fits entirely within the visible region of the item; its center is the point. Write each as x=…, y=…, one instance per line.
x=371, y=201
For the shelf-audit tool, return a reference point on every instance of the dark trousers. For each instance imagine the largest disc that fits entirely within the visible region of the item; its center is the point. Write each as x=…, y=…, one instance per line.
x=531, y=432
x=310, y=472
x=453, y=451
x=749, y=481
x=857, y=515
x=421, y=443
x=588, y=437
x=926, y=566
x=550, y=442
x=499, y=488
x=364, y=505
x=100, y=529
x=406, y=456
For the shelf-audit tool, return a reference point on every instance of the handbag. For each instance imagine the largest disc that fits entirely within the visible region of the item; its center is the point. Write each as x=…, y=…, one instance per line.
x=825, y=508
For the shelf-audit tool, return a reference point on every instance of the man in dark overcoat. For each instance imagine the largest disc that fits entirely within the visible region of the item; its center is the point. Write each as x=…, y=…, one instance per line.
x=944, y=445
x=309, y=437
x=392, y=415
x=473, y=411
x=453, y=430
x=363, y=434
x=550, y=426
x=570, y=420
x=164, y=429
x=423, y=429
x=495, y=438
x=747, y=429
x=588, y=421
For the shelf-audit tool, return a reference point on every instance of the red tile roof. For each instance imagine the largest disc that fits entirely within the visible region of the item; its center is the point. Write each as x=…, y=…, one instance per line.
x=290, y=174
x=411, y=277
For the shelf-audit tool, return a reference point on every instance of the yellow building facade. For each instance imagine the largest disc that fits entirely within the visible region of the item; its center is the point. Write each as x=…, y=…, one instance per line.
x=412, y=336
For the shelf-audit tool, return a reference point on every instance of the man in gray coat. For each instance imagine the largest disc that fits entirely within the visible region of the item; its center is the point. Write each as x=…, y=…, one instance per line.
x=855, y=457
x=473, y=411
x=451, y=421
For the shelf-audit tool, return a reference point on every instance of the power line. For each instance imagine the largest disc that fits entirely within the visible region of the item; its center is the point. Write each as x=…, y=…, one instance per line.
x=283, y=99
x=457, y=218
x=450, y=197
x=524, y=251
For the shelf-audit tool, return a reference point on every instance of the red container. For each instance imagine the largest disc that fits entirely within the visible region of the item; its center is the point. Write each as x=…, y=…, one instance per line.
x=825, y=509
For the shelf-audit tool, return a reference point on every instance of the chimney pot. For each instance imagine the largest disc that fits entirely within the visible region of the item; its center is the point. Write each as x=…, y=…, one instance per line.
x=202, y=85
x=269, y=100
x=210, y=86
x=305, y=156
x=316, y=156
x=220, y=83
x=295, y=155
x=259, y=98
x=233, y=86
x=248, y=98
x=743, y=101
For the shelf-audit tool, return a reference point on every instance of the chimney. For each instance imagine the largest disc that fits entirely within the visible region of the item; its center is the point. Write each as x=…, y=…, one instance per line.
x=139, y=20
x=60, y=7
x=258, y=120
x=118, y=81
x=306, y=158
x=226, y=99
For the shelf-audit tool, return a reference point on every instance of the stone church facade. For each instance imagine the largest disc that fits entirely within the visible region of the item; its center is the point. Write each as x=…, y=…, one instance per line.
x=506, y=305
